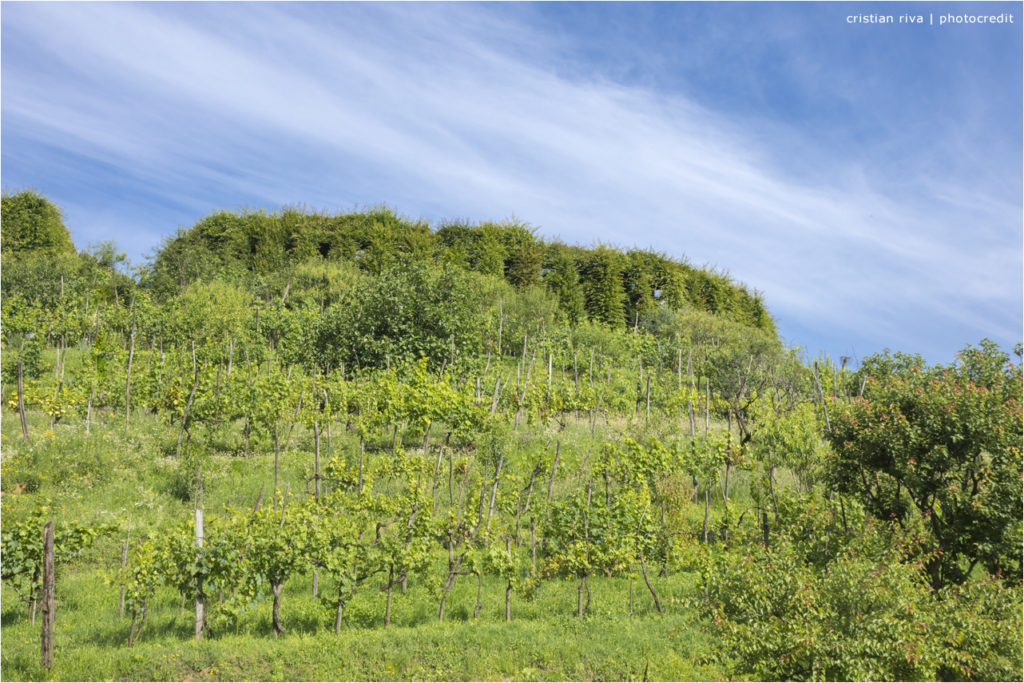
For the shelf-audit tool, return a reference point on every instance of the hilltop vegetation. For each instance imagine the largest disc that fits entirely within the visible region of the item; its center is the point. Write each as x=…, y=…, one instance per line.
x=599, y=284
x=420, y=447
x=33, y=224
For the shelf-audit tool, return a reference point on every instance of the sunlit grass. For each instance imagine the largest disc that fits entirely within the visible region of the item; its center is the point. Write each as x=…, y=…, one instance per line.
x=109, y=475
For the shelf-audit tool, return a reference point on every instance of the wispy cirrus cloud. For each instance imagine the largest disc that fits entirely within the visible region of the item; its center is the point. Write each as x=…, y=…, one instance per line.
x=152, y=115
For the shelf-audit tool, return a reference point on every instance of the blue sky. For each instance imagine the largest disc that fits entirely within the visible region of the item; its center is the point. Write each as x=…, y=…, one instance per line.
x=867, y=178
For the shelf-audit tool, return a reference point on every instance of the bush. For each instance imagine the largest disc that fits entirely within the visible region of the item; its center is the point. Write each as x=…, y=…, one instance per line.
x=406, y=313
x=792, y=613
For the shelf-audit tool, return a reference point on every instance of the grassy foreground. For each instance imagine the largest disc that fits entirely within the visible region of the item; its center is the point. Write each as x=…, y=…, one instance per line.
x=543, y=642
x=103, y=477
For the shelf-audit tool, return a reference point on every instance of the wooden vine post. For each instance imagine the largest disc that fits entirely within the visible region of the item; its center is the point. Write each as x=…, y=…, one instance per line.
x=48, y=601
x=199, y=589
x=316, y=493
x=124, y=563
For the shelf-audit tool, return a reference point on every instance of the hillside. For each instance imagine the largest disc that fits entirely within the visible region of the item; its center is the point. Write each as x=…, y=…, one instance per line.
x=472, y=454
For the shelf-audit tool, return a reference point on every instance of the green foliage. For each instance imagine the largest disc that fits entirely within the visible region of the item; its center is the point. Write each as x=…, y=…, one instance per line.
x=793, y=440
x=210, y=314
x=586, y=534
x=359, y=337
x=602, y=288
x=42, y=278
x=21, y=550
x=25, y=348
x=261, y=244
x=404, y=314
x=564, y=281
x=942, y=443
x=321, y=283
x=859, y=612
x=522, y=253
x=531, y=312
x=479, y=249
x=275, y=251
x=649, y=280
x=31, y=222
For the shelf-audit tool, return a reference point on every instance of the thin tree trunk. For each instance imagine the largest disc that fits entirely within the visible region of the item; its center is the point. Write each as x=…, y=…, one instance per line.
x=631, y=590
x=554, y=467
x=725, y=486
x=316, y=461
x=437, y=470
x=451, y=474
x=647, y=416
x=643, y=568
x=479, y=587
x=277, y=460
x=821, y=396
x=276, y=614
x=494, y=491
x=188, y=404
x=494, y=400
x=21, y=401
x=128, y=374
x=49, y=608
x=34, y=602
x=508, y=586
x=533, y=545
x=549, y=372
x=707, y=406
x=124, y=563
x=133, y=633
x=387, y=606
x=362, y=453
x=707, y=508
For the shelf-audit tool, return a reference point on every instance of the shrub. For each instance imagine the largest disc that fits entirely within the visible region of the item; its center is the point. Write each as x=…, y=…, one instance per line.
x=868, y=614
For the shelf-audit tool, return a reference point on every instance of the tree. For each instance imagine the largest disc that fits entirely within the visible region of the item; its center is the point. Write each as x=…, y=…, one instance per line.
x=32, y=222
x=861, y=613
x=405, y=313
x=602, y=287
x=639, y=283
x=564, y=281
x=475, y=248
x=942, y=443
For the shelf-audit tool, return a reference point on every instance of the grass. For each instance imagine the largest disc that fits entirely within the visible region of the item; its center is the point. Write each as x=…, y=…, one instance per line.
x=542, y=642
x=109, y=475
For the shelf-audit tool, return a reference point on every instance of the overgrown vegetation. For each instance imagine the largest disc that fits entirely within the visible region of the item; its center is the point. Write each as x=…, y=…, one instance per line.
x=418, y=448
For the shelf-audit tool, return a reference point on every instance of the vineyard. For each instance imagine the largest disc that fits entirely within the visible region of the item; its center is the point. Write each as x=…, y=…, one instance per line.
x=297, y=446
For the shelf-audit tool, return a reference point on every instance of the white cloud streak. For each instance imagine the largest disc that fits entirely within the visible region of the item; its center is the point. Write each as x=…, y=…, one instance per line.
x=451, y=112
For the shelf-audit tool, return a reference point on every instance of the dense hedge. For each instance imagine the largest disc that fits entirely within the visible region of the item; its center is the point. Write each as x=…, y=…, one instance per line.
x=602, y=284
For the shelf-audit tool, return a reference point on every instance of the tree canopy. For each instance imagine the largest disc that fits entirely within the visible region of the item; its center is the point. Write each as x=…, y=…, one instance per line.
x=602, y=284
x=31, y=222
